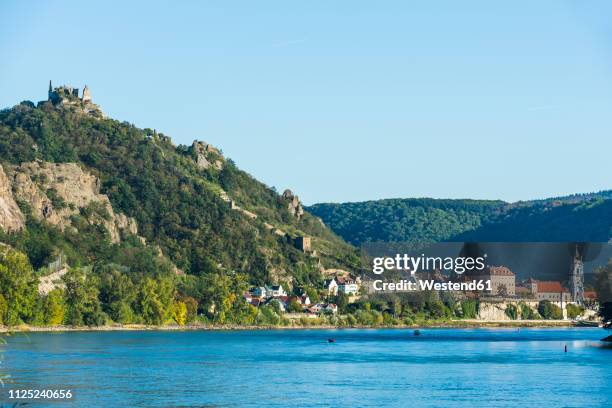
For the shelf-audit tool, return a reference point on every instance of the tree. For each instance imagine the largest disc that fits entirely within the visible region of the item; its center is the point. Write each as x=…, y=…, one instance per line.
x=54, y=308
x=573, y=311
x=117, y=294
x=18, y=286
x=3, y=308
x=294, y=306
x=341, y=300
x=469, y=309
x=179, y=312
x=83, y=305
x=397, y=308
x=512, y=311
x=313, y=294
x=526, y=312
x=604, y=294
x=549, y=310
x=438, y=310
x=192, y=308
x=151, y=305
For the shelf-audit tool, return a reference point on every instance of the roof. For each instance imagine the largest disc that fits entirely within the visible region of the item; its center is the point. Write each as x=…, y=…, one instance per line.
x=500, y=271
x=345, y=281
x=550, y=287
x=590, y=294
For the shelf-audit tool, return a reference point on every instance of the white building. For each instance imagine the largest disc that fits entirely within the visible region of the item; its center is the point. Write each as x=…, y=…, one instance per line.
x=261, y=292
x=332, y=287
x=277, y=291
x=348, y=286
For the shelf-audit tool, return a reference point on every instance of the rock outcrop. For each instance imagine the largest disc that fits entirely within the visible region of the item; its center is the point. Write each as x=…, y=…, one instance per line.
x=293, y=204
x=57, y=191
x=492, y=311
x=11, y=217
x=206, y=155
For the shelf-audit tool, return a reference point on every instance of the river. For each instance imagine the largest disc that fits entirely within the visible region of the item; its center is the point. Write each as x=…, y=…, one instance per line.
x=377, y=367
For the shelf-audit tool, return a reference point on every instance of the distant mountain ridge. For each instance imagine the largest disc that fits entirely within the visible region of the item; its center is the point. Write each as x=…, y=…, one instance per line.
x=578, y=217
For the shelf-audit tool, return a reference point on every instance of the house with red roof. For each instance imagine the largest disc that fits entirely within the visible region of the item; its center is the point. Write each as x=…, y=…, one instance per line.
x=347, y=285
x=550, y=290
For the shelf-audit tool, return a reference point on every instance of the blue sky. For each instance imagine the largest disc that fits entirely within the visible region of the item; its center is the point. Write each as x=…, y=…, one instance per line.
x=345, y=100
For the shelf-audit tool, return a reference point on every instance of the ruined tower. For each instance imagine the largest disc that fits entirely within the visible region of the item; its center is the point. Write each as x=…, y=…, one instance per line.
x=86, y=95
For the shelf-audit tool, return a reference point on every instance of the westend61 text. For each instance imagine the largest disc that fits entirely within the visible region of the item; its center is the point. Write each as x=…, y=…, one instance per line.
x=407, y=286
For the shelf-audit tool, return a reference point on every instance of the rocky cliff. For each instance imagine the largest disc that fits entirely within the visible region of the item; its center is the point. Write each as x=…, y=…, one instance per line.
x=11, y=218
x=206, y=155
x=54, y=193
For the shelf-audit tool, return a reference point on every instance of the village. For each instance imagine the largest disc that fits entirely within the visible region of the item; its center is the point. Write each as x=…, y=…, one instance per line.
x=277, y=296
x=504, y=290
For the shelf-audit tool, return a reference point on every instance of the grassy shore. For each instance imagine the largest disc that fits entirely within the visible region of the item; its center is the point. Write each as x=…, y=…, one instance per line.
x=466, y=324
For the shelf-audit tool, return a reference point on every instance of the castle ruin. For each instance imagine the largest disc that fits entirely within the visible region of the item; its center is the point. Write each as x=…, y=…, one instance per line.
x=67, y=96
x=294, y=204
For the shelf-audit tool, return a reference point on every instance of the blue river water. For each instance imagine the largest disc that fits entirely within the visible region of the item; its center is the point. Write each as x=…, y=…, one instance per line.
x=377, y=367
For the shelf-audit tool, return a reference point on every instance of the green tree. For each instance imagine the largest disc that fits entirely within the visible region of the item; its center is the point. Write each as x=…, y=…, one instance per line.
x=192, y=308
x=469, y=309
x=549, y=310
x=18, y=286
x=179, y=312
x=83, y=305
x=438, y=310
x=3, y=309
x=604, y=294
x=341, y=300
x=54, y=308
x=313, y=294
x=118, y=293
x=153, y=303
x=526, y=312
x=512, y=311
x=294, y=306
x=573, y=311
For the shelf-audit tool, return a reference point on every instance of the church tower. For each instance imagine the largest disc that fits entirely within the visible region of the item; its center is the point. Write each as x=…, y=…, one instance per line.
x=577, y=278
x=50, y=89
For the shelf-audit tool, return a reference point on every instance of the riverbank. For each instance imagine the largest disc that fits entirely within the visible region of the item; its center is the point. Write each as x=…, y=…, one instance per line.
x=465, y=324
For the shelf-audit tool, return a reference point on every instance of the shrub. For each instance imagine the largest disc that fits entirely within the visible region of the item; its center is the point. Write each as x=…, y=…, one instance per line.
x=469, y=309
x=573, y=311
x=526, y=312
x=512, y=311
x=549, y=310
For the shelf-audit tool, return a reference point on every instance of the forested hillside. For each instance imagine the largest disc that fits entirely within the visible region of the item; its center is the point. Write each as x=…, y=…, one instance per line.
x=581, y=217
x=204, y=230
x=398, y=220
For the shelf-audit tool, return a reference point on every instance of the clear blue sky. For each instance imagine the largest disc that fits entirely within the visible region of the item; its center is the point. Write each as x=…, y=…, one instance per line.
x=347, y=101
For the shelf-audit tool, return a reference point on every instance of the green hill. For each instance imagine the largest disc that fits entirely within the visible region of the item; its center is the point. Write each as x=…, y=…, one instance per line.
x=398, y=220
x=146, y=216
x=585, y=217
